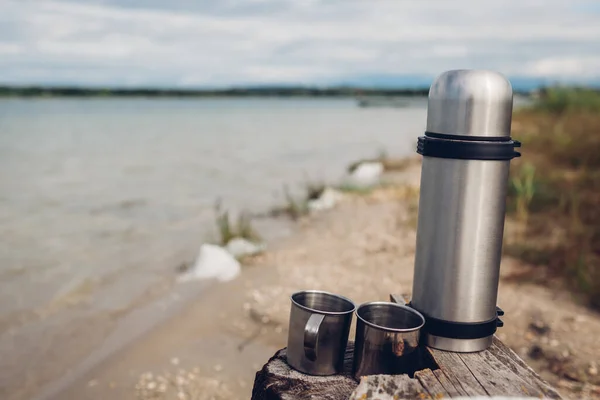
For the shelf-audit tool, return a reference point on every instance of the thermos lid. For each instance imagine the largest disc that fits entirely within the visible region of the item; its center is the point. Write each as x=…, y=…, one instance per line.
x=474, y=103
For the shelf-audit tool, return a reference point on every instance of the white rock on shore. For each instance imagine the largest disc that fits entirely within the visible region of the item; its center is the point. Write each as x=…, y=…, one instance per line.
x=240, y=247
x=366, y=174
x=213, y=262
x=328, y=199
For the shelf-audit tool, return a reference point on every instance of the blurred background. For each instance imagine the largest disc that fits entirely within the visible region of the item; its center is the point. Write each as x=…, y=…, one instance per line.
x=132, y=132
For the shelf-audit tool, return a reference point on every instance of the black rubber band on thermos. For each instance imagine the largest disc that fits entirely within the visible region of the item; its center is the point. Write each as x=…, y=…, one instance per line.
x=467, y=147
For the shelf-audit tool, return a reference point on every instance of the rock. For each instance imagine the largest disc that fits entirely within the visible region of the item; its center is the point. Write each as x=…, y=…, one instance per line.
x=328, y=199
x=539, y=327
x=535, y=352
x=593, y=369
x=366, y=174
x=240, y=247
x=213, y=262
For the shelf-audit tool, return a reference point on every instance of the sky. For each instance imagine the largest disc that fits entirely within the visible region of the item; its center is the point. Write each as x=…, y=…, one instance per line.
x=223, y=43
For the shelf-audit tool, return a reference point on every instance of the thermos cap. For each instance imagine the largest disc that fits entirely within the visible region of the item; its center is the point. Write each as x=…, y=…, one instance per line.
x=475, y=103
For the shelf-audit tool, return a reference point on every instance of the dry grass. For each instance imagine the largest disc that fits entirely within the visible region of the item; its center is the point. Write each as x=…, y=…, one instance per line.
x=555, y=188
x=357, y=190
x=238, y=228
x=296, y=207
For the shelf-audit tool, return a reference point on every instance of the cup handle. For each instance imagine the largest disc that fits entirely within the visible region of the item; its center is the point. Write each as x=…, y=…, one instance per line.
x=311, y=336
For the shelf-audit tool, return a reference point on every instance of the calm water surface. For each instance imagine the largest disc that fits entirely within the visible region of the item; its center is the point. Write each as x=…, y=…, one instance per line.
x=88, y=187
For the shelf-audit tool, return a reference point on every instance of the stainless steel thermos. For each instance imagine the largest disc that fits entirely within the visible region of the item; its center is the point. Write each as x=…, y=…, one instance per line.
x=466, y=152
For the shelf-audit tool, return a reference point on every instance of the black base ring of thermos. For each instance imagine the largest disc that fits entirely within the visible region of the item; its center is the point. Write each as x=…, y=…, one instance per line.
x=462, y=330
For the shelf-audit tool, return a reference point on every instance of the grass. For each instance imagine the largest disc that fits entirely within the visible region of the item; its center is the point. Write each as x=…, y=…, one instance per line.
x=560, y=100
x=294, y=207
x=297, y=206
x=524, y=187
x=228, y=229
x=555, y=188
x=314, y=190
x=352, y=189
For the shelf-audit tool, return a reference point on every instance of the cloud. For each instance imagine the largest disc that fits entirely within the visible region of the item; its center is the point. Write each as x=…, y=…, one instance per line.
x=229, y=42
x=571, y=66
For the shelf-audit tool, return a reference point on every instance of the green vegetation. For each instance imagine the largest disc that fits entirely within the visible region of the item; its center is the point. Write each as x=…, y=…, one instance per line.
x=357, y=190
x=240, y=228
x=555, y=188
x=296, y=207
x=560, y=100
x=523, y=186
x=268, y=91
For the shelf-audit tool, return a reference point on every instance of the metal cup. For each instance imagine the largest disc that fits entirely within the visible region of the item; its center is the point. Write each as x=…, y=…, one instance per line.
x=387, y=336
x=318, y=334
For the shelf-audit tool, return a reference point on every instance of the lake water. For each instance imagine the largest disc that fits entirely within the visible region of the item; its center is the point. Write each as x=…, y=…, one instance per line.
x=101, y=199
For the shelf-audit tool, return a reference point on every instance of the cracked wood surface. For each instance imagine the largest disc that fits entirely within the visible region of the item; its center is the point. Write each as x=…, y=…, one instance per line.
x=497, y=371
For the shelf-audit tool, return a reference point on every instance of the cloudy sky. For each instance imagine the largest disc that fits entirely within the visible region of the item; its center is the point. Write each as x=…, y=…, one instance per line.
x=215, y=43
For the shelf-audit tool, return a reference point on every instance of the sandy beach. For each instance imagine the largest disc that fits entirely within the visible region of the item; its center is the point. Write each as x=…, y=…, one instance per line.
x=363, y=249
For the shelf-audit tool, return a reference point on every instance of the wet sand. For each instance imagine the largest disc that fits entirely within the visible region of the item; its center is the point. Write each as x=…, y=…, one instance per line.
x=363, y=249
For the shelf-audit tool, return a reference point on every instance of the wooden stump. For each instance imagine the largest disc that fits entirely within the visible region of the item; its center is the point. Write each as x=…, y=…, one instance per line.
x=497, y=371
x=277, y=380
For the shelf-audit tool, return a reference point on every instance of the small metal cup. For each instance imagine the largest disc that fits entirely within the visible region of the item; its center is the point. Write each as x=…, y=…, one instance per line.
x=318, y=334
x=387, y=335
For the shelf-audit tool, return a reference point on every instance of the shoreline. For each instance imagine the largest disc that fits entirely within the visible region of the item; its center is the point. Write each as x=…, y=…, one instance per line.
x=139, y=321
x=139, y=324
x=174, y=299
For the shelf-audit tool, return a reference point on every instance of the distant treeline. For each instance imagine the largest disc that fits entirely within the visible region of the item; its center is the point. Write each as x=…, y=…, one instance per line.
x=38, y=91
